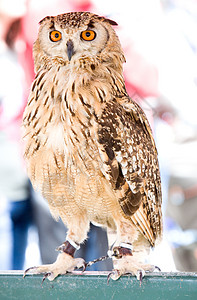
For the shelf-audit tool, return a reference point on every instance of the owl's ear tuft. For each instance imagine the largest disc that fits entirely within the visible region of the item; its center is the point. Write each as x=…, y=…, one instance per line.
x=44, y=19
x=111, y=22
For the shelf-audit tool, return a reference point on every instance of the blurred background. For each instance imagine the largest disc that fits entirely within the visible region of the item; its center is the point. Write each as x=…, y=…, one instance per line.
x=159, y=39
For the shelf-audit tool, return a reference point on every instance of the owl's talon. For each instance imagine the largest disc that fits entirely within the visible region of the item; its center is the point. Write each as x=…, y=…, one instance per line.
x=140, y=274
x=27, y=270
x=156, y=267
x=45, y=276
x=83, y=265
x=114, y=275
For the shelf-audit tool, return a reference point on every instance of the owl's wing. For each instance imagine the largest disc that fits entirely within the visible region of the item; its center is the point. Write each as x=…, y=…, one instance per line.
x=129, y=155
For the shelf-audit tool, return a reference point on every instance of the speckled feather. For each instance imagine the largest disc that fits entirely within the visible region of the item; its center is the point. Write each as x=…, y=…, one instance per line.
x=89, y=147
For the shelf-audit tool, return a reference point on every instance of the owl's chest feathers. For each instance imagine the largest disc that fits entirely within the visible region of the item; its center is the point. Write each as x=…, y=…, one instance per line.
x=64, y=115
x=68, y=105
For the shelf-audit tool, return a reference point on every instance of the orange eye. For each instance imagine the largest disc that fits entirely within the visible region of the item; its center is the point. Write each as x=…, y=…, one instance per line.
x=88, y=35
x=55, y=36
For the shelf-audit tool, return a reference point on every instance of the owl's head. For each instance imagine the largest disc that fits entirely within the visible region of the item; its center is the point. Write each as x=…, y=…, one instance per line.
x=71, y=36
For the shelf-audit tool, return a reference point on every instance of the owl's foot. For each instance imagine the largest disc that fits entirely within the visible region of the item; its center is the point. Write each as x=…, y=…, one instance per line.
x=64, y=263
x=126, y=263
x=137, y=270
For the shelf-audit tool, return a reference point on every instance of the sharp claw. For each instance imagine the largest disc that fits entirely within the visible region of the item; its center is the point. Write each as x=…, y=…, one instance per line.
x=140, y=275
x=84, y=267
x=45, y=276
x=27, y=270
x=114, y=274
x=80, y=263
x=108, y=278
x=156, y=267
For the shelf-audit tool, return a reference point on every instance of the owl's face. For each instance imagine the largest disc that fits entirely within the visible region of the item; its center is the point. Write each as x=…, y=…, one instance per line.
x=74, y=35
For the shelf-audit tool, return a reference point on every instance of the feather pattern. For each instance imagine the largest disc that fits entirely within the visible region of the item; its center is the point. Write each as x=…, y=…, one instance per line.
x=126, y=135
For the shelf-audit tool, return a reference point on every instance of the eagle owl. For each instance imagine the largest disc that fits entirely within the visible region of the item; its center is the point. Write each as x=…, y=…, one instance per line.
x=88, y=146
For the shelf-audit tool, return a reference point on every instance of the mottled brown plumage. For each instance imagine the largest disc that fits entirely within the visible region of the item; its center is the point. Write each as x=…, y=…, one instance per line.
x=89, y=147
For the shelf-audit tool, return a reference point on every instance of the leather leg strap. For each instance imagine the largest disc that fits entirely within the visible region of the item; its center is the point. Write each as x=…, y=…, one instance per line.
x=67, y=248
x=119, y=252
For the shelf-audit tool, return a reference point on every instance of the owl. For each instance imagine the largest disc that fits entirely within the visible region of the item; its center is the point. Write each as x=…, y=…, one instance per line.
x=89, y=148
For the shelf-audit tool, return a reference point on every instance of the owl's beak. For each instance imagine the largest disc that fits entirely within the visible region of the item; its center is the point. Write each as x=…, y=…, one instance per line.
x=70, y=49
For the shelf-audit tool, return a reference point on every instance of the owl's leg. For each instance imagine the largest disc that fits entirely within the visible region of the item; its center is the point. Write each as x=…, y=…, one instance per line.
x=65, y=261
x=111, y=236
x=129, y=252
